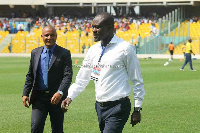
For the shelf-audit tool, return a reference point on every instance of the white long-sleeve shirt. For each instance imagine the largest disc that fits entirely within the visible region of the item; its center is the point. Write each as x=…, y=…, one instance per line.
x=118, y=64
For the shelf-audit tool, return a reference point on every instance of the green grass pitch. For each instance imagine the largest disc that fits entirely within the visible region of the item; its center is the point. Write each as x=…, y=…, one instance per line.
x=171, y=103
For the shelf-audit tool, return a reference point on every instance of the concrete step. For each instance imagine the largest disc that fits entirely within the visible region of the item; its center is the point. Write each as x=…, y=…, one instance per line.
x=6, y=41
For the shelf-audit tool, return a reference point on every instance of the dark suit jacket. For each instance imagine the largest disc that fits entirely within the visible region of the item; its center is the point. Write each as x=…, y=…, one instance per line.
x=59, y=74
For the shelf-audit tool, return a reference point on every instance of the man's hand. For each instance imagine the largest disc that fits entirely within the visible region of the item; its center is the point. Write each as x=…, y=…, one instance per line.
x=65, y=104
x=25, y=100
x=135, y=118
x=56, y=98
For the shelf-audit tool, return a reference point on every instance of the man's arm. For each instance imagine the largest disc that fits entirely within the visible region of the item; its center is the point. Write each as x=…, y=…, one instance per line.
x=28, y=82
x=29, y=78
x=192, y=52
x=82, y=80
x=65, y=104
x=67, y=73
x=67, y=78
x=134, y=73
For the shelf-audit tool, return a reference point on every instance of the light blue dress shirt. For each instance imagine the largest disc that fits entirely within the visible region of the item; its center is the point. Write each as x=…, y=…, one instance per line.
x=41, y=66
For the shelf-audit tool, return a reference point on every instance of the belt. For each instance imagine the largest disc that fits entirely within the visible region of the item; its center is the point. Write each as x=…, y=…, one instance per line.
x=112, y=102
x=43, y=91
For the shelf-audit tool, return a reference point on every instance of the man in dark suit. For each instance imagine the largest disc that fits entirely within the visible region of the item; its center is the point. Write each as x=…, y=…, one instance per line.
x=49, y=77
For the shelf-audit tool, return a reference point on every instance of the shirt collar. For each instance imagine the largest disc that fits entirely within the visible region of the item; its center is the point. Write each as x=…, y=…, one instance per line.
x=51, y=49
x=113, y=40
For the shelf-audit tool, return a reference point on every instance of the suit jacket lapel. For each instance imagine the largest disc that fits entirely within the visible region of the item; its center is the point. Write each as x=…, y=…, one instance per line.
x=36, y=58
x=54, y=56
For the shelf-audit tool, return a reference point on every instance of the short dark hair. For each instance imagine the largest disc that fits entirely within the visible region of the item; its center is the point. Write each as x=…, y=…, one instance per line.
x=108, y=18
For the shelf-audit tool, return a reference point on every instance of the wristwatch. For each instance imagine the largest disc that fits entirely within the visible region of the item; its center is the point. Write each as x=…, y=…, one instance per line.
x=137, y=109
x=61, y=93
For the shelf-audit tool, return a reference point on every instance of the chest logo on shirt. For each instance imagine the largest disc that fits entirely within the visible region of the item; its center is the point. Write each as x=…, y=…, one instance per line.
x=96, y=71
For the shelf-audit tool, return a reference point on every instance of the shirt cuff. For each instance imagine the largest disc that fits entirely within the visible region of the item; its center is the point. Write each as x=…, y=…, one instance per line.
x=138, y=103
x=71, y=97
x=60, y=92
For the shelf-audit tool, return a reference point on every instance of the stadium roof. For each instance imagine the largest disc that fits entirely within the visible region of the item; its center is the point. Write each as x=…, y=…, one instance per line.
x=49, y=3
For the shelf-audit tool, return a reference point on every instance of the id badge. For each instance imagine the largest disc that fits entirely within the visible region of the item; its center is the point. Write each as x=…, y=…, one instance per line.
x=95, y=73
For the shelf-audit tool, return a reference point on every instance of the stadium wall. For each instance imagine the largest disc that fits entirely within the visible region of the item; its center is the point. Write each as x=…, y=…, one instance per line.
x=141, y=56
x=43, y=2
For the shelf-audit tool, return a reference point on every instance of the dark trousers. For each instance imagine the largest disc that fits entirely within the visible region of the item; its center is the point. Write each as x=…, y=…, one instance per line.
x=187, y=59
x=113, y=117
x=40, y=109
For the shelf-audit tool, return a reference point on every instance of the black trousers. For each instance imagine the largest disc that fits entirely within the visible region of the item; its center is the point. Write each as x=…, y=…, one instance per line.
x=41, y=107
x=113, y=116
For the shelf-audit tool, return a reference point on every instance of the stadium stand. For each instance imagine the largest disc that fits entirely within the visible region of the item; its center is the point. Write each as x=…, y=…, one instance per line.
x=3, y=34
x=24, y=42
x=194, y=32
x=63, y=17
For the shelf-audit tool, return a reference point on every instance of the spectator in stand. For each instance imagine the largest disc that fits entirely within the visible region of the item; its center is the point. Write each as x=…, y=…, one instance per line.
x=136, y=26
x=138, y=22
x=4, y=26
x=14, y=27
x=145, y=20
x=19, y=27
x=70, y=26
x=60, y=26
x=22, y=27
x=116, y=27
x=142, y=21
x=65, y=31
x=42, y=24
x=127, y=27
x=8, y=27
x=79, y=31
x=1, y=26
x=87, y=30
x=62, y=18
x=65, y=23
x=153, y=29
x=123, y=26
x=195, y=19
x=29, y=27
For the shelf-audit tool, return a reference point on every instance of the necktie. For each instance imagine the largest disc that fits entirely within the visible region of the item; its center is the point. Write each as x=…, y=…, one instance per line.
x=46, y=67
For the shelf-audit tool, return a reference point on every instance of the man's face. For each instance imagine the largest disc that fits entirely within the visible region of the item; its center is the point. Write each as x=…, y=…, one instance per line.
x=100, y=30
x=49, y=36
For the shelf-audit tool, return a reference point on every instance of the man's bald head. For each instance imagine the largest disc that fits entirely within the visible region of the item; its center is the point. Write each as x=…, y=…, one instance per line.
x=105, y=18
x=49, y=27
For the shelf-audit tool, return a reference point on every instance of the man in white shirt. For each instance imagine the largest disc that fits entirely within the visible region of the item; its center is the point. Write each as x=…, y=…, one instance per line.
x=110, y=63
x=153, y=29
